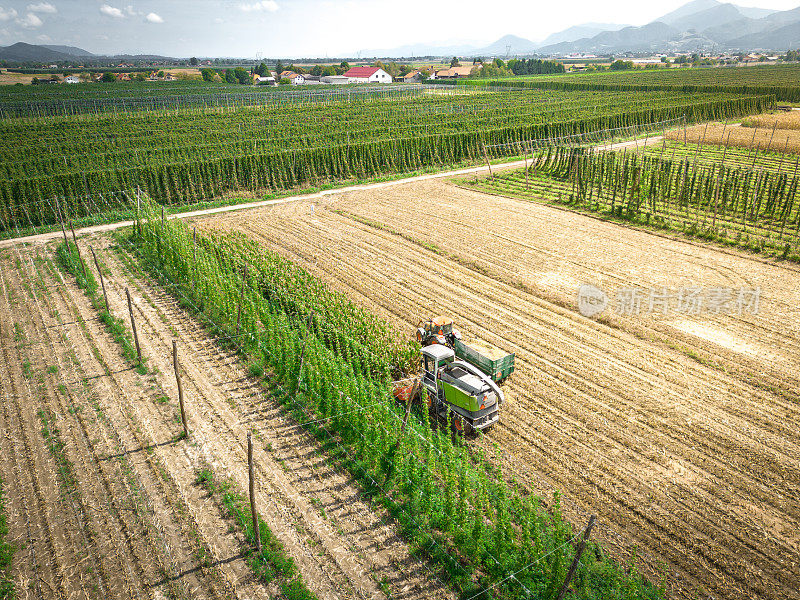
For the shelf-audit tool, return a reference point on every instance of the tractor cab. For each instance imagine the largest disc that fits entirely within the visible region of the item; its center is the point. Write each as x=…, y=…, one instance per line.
x=434, y=358
x=438, y=330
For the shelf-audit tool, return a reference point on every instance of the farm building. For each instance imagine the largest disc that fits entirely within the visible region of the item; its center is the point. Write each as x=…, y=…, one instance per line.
x=334, y=79
x=368, y=75
x=455, y=72
x=72, y=79
x=294, y=78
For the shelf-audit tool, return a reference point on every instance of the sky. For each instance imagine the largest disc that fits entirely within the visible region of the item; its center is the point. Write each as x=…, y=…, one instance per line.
x=304, y=28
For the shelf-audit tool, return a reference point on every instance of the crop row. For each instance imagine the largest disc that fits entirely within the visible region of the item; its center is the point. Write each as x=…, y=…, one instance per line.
x=184, y=176
x=781, y=81
x=722, y=200
x=47, y=107
x=448, y=502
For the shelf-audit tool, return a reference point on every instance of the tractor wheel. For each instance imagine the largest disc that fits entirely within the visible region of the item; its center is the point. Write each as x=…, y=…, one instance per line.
x=459, y=425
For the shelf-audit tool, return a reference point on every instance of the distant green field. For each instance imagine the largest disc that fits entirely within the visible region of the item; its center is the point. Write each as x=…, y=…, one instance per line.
x=781, y=80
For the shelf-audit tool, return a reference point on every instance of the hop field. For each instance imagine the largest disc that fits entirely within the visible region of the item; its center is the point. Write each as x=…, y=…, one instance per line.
x=780, y=80
x=187, y=155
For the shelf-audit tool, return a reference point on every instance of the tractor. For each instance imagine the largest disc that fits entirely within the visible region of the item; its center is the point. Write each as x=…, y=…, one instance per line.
x=438, y=330
x=454, y=391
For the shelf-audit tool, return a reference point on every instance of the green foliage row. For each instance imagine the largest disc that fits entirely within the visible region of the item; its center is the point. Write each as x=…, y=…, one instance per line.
x=783, y=81
x=647, y=183
x=783, y=84
x=88, y=100
x=452, y=504
x=202, y=174
x=728, y=202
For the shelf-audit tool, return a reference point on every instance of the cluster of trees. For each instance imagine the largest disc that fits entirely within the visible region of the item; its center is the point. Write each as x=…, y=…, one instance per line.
x=621, y=65
x=534, y=66
x=238, y=75
x=791, y=56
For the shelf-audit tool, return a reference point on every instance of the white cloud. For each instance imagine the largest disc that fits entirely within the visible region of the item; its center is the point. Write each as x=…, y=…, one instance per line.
x=218, y=20
x=30, y=21
x=7, y=15
x=130, y=10
x=154, y=18
x=110, y=11
x=43, y=7
x=263, y=5
x=44, y=38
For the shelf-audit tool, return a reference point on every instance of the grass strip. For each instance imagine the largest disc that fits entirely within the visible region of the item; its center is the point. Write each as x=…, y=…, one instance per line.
x=270, y=565
x=70, y=262
x=7, y=590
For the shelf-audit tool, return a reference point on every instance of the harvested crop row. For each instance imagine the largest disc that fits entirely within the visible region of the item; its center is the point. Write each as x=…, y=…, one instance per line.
x=660, y=445
x=761, y=138
x=108, y=540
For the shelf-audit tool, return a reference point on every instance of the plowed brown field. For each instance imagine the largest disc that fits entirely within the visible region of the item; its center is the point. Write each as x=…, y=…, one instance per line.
x=680, y=432
x=113, y=511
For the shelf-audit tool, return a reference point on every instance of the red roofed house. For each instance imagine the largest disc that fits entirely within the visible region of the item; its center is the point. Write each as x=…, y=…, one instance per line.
x=368, y=75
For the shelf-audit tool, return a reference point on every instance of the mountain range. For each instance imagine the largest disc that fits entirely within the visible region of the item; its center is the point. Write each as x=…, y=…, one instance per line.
x=700, y=25
x=22, y=52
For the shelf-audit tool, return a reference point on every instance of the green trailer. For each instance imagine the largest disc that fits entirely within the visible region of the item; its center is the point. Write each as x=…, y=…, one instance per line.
x=492, y=361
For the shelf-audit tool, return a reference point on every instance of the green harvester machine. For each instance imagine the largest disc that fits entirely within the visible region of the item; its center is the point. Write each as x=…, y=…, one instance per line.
x=459, y=380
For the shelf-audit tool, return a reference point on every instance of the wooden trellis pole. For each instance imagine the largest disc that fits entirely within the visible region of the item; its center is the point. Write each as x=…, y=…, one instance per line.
x=525, y=156
x=61, y=219
x=574, y=566
x=80, y=258
x=102, y=283
x=241, y=301
x=253, y=512
x=133, y=326
x=180, y=387
x=488, y=164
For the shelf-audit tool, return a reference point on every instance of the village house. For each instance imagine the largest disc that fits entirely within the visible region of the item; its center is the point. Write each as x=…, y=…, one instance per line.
x=294, y=78
x=72, y=79
x=267, y=80
x=416, y=74
x=368, y=75
x=455, y=72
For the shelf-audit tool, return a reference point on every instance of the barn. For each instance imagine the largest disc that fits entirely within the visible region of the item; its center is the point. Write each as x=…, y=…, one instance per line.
x=368, y=75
